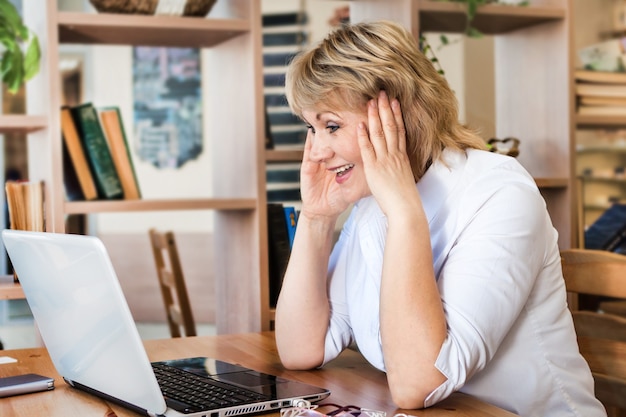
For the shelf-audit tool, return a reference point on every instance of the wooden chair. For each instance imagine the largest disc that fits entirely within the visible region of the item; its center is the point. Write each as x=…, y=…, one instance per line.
x=601, y=336
x=172, y=284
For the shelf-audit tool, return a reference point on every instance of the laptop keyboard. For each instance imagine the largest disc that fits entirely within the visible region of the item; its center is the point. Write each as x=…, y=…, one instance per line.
x=189, y=393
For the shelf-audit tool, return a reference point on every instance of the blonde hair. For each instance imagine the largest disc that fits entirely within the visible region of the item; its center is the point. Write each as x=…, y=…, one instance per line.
x=356, y=61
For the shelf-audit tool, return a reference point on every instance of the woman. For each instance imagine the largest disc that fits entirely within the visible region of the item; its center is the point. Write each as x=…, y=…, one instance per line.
x=447, y=273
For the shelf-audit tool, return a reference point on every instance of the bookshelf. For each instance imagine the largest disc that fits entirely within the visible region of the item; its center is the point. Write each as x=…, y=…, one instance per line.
x=17, y=123
x=11, y=290
x=232, y=36
x=599, y=156
x=533, y=83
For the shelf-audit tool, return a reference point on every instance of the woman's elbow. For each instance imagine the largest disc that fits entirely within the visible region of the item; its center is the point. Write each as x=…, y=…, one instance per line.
x=411, y=394
x=300, y=363
x=407, y=399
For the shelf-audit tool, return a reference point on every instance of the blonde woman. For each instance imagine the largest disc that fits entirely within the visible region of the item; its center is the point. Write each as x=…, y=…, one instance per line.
x=447, y=273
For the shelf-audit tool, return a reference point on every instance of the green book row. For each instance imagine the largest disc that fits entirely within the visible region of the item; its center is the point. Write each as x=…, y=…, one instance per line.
x=97, y=161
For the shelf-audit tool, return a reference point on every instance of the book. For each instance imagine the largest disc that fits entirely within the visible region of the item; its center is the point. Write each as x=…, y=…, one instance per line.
x=269, y=140
x=79, y=183
x=291, y=221
x=608, y=230
x=601, y=101
x=283, y=19
x=601, y=90
x=113, y=127
x=278, y=248
x=603, y=77
x=25, y=201
x=602, y=110
x=73, y=191
x=97, y=151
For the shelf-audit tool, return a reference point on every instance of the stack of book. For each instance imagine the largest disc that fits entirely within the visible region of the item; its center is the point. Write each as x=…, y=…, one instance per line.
x=96, y=158
x=601, y=93
x=281, y=224
x=284, y=36
x=25, y=201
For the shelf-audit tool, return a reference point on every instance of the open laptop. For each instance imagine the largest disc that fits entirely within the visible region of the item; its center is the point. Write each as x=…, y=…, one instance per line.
x=87, y=327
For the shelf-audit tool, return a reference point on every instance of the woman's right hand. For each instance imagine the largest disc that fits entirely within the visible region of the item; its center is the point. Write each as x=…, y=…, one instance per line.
x=321, y=195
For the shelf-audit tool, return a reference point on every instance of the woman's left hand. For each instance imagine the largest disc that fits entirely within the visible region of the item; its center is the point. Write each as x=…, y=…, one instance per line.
x=383, y=149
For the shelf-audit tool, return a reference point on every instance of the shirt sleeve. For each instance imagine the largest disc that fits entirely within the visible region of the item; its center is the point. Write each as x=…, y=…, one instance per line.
x=339, y=334
x=488, y=273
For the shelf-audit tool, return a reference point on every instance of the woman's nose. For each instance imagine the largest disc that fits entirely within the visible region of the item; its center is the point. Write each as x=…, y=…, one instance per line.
x=320, y=149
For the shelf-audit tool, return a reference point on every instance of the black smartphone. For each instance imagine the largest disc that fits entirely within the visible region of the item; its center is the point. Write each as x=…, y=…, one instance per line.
x=24, y=384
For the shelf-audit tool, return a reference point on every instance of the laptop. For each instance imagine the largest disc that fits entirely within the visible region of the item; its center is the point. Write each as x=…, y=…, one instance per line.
x=86, y=325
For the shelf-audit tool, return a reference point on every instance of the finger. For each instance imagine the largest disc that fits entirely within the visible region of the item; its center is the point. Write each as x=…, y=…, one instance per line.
x=307, y=147
x=397, y=114
x=368, y=153
x=308, y=166
x=388, y=121
x=374, y=128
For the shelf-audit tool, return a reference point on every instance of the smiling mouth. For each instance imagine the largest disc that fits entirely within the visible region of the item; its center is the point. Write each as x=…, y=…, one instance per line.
x=343, y=169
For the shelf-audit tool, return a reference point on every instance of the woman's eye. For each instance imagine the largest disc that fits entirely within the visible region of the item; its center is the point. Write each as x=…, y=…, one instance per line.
x=311, y=128
x=332, y=128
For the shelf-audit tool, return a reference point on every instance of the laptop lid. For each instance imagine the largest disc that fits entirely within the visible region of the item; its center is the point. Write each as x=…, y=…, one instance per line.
x=87, y=327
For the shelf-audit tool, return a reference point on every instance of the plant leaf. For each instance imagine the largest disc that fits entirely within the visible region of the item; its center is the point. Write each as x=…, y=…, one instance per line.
x=12, y=19
x=31, y=58
x=14, y=74
x=472, y=32
x=472, y=5
x=21, y=53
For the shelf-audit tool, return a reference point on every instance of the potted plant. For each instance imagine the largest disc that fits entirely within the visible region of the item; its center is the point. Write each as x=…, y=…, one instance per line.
x=19, y=48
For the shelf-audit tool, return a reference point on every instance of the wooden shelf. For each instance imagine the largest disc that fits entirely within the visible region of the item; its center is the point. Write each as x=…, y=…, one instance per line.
x=614, y=180
x=600, y=149
x=440, y=16
x=11, y=291
x=275, y=155
x=20, y=123
x=232, y=36
x=597, y=207
x=600, y=122
x=103, y=206
x=552, y=182
x=119, y=29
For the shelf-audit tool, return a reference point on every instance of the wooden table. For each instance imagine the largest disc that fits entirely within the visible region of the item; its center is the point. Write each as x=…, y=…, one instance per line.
x=350, y=378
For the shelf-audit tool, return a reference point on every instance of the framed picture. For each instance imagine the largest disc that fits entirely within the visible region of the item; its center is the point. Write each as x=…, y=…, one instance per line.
x=167, y=105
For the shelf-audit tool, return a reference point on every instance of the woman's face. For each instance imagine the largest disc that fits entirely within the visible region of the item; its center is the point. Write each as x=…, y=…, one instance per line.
x=333, y=136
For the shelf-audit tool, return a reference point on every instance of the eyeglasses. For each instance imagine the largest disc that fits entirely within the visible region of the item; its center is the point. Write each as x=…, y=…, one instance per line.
x=313, y=410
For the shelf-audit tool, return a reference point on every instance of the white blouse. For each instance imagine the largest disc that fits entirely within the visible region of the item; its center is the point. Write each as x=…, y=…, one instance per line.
x=511, y=340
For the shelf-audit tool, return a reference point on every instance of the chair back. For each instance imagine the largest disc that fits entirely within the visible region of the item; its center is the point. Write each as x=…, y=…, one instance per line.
x=601, y=336
x=172, y=284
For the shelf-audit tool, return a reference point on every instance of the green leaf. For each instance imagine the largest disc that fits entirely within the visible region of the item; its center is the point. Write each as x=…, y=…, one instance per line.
x=21, y=54
x=5, y=64
x=31, y=58
x=11, y=18
x=7, y=41
x=472, y=6
x=14, y=75
x=472, y=32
